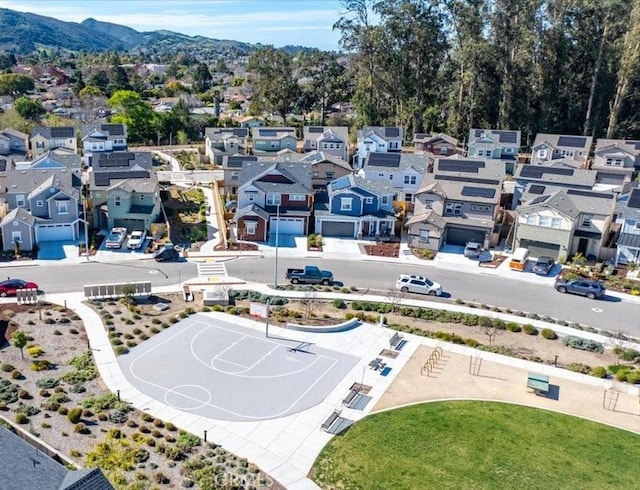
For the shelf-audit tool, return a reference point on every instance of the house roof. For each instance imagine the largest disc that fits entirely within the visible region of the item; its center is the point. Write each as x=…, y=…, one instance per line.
x=216, y=134
x=630, y=147
x=435, y=138
x=20, y=214
x=628, y=205
x=556, y=172
x=352, y=182
x=56, y=159
x=317, y=157
x=573, y=202
x=104, y=131
x=251, y=209
x=272, y=133
x=296, y=177
x=396, y=162
x=122, y=160
x=236, y=161
x=499, y=137
x=564, y=142
x=55, y=132
x=26, y=467
x=26, y=181
x=385, y=132
x=327, y=133
x=15, y=133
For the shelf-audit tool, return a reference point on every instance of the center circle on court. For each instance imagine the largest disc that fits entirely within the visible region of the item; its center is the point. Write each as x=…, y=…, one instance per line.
x=187, y=397
x=597, y=310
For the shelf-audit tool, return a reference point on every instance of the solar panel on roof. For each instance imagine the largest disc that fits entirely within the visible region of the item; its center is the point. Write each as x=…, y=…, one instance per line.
x=113, y=129
x=478, y=192
x=572, y=141
x=267, y=132
x=421, y=136
x=540, y=199
x=467, y=166
x=635, y=144
x=507, y=136
x=536, y=189
x=316, y=129
x=105, y=178
x=62, y=132
x=464, y=178
x=537, y=172
x=634, y=199
x=115, y=159
x=479, y=132
x=391, y=132
x=597, y=195
x=240, y=132
x=384, y=159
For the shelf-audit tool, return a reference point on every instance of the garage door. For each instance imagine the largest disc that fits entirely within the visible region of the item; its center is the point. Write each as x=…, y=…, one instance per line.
x=460, y=236
x=129, y=224
x=287, y=226
x=335, y=228
x=538, y=249
x=50, y=233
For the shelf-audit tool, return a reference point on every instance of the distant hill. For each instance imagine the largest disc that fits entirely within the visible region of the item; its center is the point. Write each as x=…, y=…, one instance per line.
x=24, y=32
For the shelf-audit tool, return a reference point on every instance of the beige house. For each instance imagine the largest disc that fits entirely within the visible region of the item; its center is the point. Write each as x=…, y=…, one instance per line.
x=615, y=161
x=45, y=139
x=325, y=168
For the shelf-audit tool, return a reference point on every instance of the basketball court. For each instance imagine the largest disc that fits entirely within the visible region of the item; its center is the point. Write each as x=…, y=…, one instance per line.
x=223, y=371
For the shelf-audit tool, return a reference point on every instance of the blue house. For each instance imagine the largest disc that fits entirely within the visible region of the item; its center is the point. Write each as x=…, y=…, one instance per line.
x=356, y=208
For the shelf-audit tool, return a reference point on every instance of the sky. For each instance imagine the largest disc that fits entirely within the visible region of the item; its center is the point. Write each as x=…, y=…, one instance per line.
x=276, y=22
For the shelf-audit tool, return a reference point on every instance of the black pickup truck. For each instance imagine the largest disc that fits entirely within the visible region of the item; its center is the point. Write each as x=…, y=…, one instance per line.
x=310, y=275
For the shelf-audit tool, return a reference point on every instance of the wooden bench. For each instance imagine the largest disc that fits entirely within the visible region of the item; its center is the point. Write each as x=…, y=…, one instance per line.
x=326, y=425
x=351, y=396
x=396, y=341
x=539, y=383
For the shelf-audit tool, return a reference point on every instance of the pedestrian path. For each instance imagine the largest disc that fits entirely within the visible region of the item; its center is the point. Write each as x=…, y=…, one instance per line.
x=211, y=267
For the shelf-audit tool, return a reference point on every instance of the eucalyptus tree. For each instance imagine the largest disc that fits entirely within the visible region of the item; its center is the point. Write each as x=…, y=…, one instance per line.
x=326, y=79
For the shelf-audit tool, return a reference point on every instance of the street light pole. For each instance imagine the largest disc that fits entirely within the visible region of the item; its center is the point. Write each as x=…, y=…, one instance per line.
x=86, y=224
x=275, y=276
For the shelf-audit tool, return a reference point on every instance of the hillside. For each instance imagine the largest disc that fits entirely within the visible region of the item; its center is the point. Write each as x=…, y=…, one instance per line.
x=129, y=37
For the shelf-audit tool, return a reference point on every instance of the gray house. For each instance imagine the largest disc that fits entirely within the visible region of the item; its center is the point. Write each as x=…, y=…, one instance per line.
x=331, y=140
x=219, y=142
x=574, y=149
x=13, y=141
x=627, y=219
x=456, y=204
x=403, y=171
x=494, y=143
x=44, y=139
x=615, y=162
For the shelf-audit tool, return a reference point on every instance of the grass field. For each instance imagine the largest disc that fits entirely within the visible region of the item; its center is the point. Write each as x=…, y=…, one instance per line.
x=478, y=445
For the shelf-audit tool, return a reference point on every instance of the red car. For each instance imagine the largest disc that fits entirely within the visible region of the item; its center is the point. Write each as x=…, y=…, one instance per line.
x=10, y=286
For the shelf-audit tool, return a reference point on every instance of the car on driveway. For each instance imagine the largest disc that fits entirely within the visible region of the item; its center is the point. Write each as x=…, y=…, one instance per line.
x=473, y=250
x=418, y=284
x=116, y=237
x=136, y=239
x=10, y=286
x=585, y=287
x=543, y=265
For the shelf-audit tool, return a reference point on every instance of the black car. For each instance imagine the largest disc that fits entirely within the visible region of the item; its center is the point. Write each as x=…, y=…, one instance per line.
x=543, y=265
x=585, y=287
x=167, y=254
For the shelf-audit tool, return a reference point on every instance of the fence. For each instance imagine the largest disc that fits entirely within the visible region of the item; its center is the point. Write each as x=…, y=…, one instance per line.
x=191, y=176
x=99, y=291
x=26, y=296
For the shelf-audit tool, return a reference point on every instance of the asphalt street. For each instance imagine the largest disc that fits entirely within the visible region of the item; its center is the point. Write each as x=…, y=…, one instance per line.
x=610, y=314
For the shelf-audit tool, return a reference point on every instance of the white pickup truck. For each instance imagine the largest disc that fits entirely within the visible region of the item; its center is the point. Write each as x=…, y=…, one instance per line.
x=115, y=238
x=136, y=239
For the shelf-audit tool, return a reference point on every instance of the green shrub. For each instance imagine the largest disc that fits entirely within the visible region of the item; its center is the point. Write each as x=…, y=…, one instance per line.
x=633, y=377
x=188, y=440
x=548, y=334
x=35, y=351
x=583, y=344
x=121, y=350
x=48, y=383
x=513, y=327
x=15, y=374
x=629, y=355
x=41, y=365
x=84, y=369
x=339, y=303
x=599, y=372
x=529, y=329
x=97, y=403
x=7, y=368
x=170, y=427
x=80, y=428
x=579, y=368
x=21, y=419
x=74, y=415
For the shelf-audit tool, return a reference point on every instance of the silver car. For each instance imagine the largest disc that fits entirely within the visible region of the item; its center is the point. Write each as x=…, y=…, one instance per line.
x=418, y=284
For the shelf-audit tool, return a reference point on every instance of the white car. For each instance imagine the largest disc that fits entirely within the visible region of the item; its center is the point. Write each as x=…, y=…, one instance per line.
x=136, y=239
x=418, y=284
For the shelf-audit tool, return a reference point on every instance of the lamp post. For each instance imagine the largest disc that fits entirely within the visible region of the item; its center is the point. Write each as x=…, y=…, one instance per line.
x=275, y=275
x=86, y=224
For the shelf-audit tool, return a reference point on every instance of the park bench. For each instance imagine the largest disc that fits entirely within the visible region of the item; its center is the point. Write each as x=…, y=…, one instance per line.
x=351, y=396
x=396, y=341
x=326, y=425
x=377, y=364
x=539, y=383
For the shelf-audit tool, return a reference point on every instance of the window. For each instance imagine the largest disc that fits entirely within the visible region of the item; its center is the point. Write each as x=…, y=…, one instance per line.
x=390, y=176
x=479, y=208
x=116, y=201
x=637, y=225
x=542, y=153
x=368, y=200
x=428, y=204
x=316, y=175
x=40, y=144
x=508, y=150
x=234, y=175
x=346, y=203
x=480, y=152
x=566, y=153
x=381, y=176
x=251, y=227
x=543, y=221
x=385, y=199
x=16, y=236
x=556, y=222
x=273, y=199
x=586, y=220
x=531, y=219
x=63, y=207
x=424, y=236
x=330, y=175
x=52, y=190
x=408, y=198
x=39, y=203
x=16, y=224
x=614, y=161
x=297, y=197
x=251, y=196
x=275, y=144
x=20, y=200
x=410, y=179
x=141, y=197
x=454, y=208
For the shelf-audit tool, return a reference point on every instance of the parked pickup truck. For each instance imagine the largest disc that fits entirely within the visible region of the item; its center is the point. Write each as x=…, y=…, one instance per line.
x=115, y=238
x=136, y=239
x=310, y=275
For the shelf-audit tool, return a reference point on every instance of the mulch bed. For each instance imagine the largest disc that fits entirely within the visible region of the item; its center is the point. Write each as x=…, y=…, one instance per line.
x=383, y=249
x=496, y=261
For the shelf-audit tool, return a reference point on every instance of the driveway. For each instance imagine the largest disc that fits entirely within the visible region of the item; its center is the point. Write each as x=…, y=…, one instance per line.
x=57, y=250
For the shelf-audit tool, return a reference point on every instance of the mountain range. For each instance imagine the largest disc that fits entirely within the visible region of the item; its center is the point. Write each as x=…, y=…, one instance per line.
x=23, y=33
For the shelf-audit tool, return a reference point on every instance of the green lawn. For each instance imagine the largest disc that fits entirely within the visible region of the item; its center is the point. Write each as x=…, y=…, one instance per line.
x=478, y=445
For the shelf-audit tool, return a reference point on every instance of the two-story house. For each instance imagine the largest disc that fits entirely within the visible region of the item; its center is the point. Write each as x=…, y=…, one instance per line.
x=547, y=147
x=531, y=181
x=377, y=139
x=495, y=144
x=44, y=206
x=275, y=197
x=124, y=191
x=325, y=168
x=437, y=144
x=272, y=139
x=565, y=222
x=331, y=140
x=13, y=141
x=456, y=204
x=44, y=139
x=627, y=217
x=615, y=162
x=355, y=207
x=219, y=142
x=103, y=138
x=231, y=168
x=403, y=171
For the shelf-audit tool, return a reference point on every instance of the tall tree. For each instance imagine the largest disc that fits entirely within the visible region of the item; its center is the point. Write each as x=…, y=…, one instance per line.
x=327, y=78
x=202, y=78
x=137, y=114
x=29, y=109
x=14, y=84
x=276, y=86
